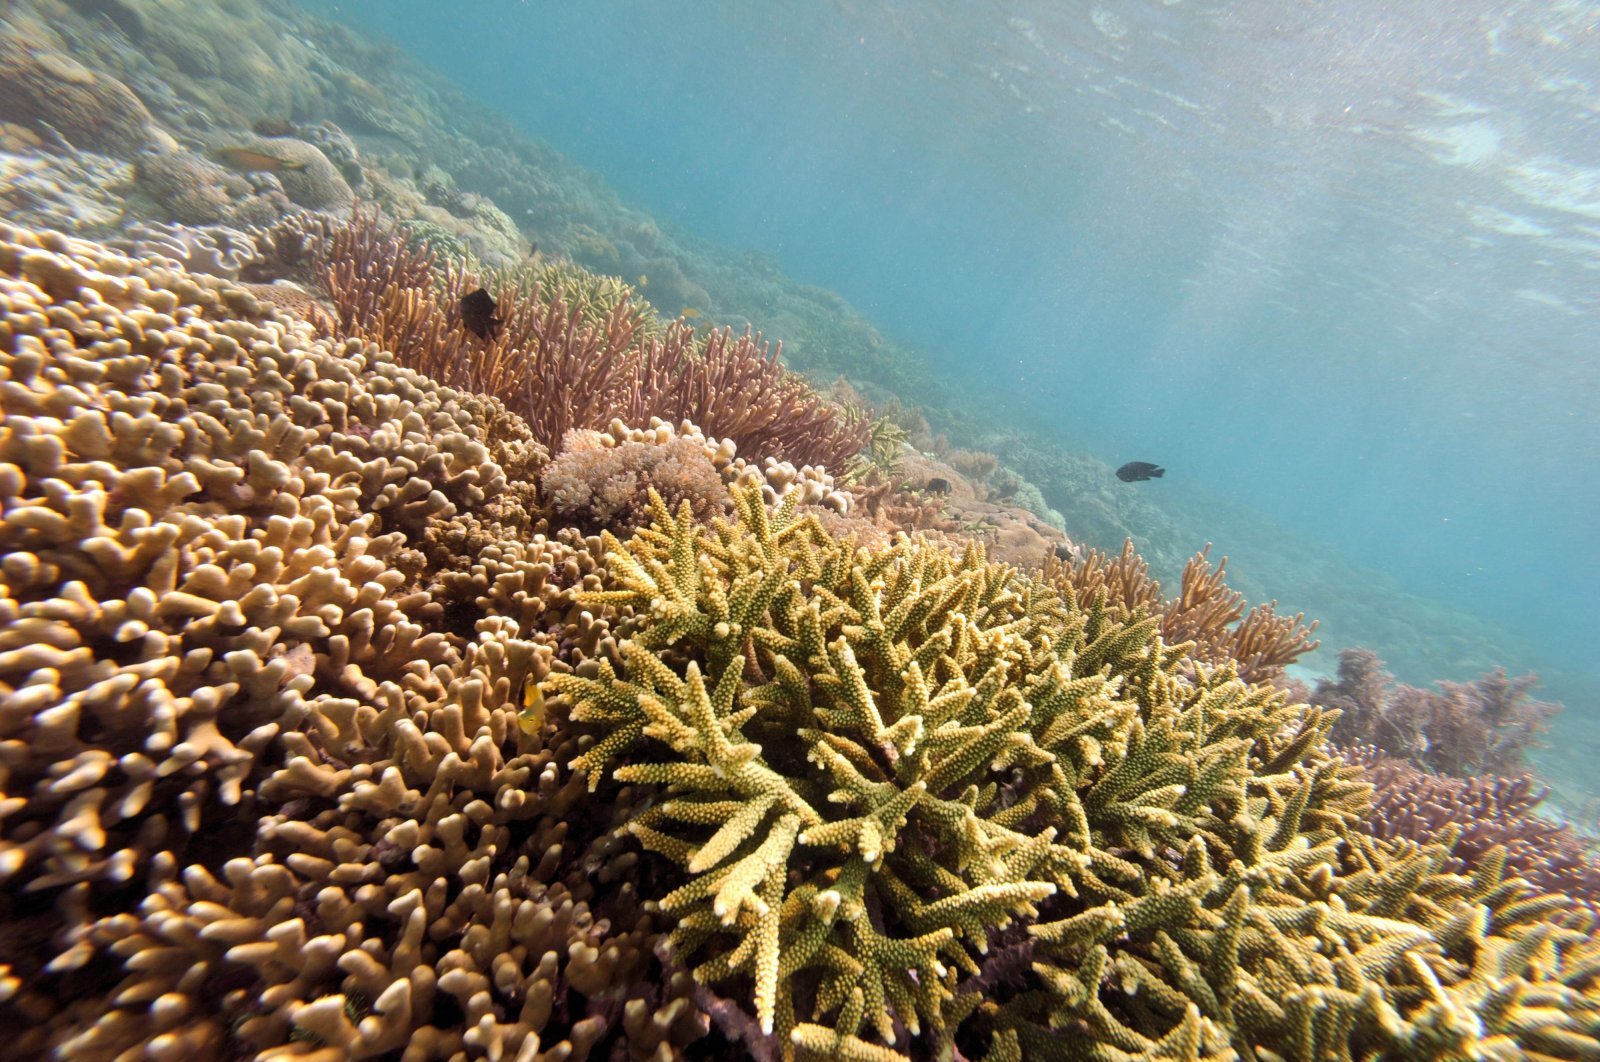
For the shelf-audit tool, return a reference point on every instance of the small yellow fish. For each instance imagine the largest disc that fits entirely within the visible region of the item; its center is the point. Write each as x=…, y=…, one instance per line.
x=531, y=719
x=690, y=312
x=249, y=159
x=644, y=281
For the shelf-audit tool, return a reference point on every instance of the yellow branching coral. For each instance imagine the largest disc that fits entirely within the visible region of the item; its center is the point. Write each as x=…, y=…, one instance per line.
x=916, y=796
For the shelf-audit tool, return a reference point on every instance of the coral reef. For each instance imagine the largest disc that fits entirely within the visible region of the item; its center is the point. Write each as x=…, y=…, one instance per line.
x=936, y=500
x=1461, y=729
x=603, y=487
x=50, y=91
x=1206, y=612
x=69, y=193
x=563, y=366
x=215, y=249
x=277, y=777
x=189, y=189
x=1019, y=826
x=304, y=173
x=1498, y=818
x=602, y=480
x=266, y=605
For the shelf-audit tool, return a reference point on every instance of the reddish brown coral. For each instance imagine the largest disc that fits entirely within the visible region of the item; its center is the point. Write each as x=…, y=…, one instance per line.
x=736, y=388
x=1492, y=811
x=1461, y=729
x=564, y=369
x=1206, y=611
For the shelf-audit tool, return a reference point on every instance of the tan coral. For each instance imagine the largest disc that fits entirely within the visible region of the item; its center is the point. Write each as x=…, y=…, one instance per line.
x=264, y=787
x=308, y=178
x=602, y=479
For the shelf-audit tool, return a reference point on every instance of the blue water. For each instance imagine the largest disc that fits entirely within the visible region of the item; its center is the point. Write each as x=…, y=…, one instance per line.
x=1336, y=265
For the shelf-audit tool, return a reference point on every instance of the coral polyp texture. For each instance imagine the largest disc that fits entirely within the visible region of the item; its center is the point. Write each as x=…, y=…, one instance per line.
x=318, y=740
x=920, y=804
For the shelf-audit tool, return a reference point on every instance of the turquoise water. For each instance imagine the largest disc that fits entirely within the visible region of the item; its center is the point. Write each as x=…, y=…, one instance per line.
x=1334, y=267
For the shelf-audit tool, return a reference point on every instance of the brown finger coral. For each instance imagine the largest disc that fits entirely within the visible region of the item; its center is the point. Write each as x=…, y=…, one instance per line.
x=267, y=608
x=1207, y=612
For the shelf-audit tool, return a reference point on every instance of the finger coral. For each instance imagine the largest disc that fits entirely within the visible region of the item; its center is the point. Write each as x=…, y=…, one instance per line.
x=1492, y=813
x=920, y=804
x=1207, y=612
x=267, y=607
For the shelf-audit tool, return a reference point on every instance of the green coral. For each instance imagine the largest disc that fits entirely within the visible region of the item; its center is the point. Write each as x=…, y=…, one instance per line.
x=886, y=444
x=594, y=296
x=919, y=795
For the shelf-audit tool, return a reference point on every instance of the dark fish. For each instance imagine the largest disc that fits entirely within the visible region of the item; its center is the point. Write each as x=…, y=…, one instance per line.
x=477, y=314
x=1135, y=471
x=273, y=127
x=939, y=485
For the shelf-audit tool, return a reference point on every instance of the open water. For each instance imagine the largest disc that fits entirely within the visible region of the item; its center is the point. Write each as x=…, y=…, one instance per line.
x=1334, y=265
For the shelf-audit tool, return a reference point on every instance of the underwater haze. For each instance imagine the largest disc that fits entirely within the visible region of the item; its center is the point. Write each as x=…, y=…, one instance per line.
x=1334, y=265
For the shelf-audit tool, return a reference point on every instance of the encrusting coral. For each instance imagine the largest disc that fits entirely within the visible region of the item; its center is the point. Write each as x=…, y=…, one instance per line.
x=1021, y=826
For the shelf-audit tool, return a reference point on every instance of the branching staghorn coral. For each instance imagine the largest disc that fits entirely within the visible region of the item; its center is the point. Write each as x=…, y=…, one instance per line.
x=920, y=802
x=1206, y=611
x=1492, y=813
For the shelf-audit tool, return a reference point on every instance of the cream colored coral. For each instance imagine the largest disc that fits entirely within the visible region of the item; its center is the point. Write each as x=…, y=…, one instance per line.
x=776, y=478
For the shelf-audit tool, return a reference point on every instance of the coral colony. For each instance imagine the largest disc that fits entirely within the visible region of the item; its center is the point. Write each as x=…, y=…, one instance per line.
x=278, y=611
x=413, y=647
